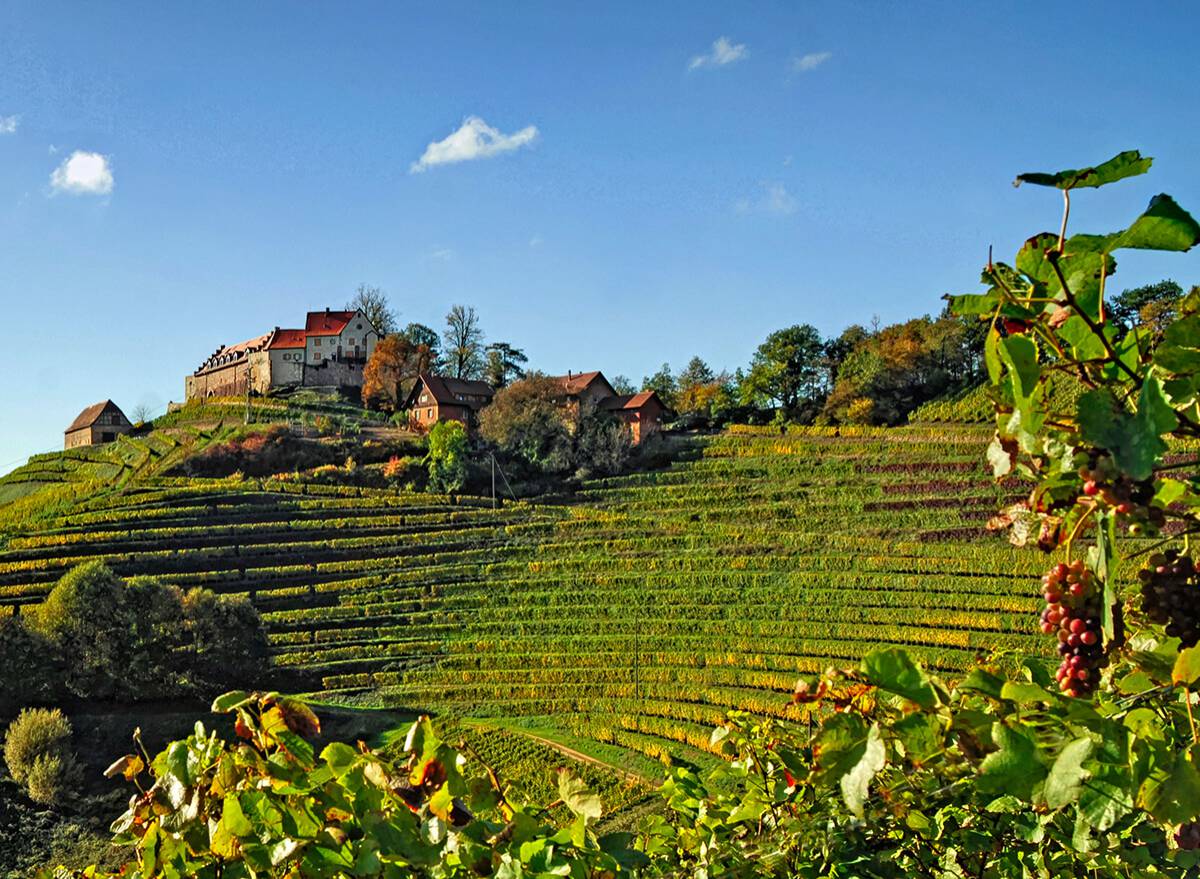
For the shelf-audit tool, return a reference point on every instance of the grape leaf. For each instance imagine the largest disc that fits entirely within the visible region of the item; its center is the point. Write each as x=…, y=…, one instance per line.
x=1135, y=440
x=893, y=670
x=1172, y=792
x=1127, y=164
x=1067, y=774
x=1163, y=226
x=575, y=794
x=1015, y=768
x=1187, y=667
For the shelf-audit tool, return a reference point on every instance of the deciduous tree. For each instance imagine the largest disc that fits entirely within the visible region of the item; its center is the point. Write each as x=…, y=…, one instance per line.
x=373, y=302
x=463, y=339
x=394, y=366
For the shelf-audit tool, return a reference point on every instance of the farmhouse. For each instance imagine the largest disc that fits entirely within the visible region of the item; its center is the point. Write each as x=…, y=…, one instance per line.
x=642, y=413
x=99, y=423
x=330, y=351
x=437, y=398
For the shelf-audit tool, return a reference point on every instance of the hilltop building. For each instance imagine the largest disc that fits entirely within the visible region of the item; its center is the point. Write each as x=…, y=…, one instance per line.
x=98, y=423
x=331, y=351
x=437, y=398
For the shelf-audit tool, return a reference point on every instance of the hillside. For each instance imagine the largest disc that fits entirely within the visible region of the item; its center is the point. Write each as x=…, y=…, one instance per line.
x=639, y=613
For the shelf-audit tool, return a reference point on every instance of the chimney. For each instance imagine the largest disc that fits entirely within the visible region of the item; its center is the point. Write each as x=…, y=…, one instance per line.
x=327, y=309
x=568, y=375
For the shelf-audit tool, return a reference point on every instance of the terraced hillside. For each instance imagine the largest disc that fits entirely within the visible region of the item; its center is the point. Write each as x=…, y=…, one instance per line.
x=642, y=612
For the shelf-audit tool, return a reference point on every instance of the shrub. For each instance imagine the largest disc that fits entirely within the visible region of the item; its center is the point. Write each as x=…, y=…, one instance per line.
x=227, y=645
x=50, y=777
x=525, y=421
x=447, y=456
x=141, y=639
x=38, y=734
x=27, y=660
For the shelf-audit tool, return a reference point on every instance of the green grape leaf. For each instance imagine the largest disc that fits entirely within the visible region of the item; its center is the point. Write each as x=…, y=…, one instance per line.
x=980, y=680
x=1067, y=774
x=229, y=701
x=339, y=757
x=1179, y=351
x=1019, y=354
x=975, y=303
x=991, y=355
x=1172, y=792
x=1127, y=164
x=1105, y=798
x=1133, y=439
x=1013, y=769
x=920, y=736
x=232, y=817
x=1187, y=667
x=1031, y=258
x=1025, y=693
x=573, y=791
x=1163, y=226
x=892, y=669
x=849, y=753
x=1084, y=344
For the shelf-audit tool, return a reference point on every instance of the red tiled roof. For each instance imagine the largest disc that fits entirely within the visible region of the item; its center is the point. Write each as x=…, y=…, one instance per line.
x=287, y=339
x=576, y=383
x=327, y=323
x=630, y=401
x=447, y=390
x=88, y=416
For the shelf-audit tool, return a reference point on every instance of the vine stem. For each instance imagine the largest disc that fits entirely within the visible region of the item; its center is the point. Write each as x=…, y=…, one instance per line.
x=1062, y=231
x=1078, y=527
x=1187, y=700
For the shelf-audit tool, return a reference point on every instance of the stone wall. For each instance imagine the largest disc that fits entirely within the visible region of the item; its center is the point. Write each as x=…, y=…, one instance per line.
x=333, y=374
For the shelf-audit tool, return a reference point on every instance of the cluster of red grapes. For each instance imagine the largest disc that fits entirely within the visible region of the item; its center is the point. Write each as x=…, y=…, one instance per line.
x=1169, y=595
x=1130, y=499
x=1188, y=836
x=1072, y=610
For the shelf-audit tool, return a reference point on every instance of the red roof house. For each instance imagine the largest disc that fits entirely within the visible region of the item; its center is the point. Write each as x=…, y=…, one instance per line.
x=437, y=398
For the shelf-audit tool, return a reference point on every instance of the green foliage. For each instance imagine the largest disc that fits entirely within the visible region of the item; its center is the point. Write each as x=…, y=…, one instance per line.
x=788, y=368
x=269, y=805
x=526, y=423
x=140, y=639
x=27, y=675
x=447, y=458
x=37, y=751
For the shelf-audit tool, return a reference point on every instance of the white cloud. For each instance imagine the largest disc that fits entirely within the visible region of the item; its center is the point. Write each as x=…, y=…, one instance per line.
x=723, y=52
x=474, y=139
x=443, y=254
x=811, y=61
x=536, y=241
x=8, y=124
x=774, y=199
x=83, y=173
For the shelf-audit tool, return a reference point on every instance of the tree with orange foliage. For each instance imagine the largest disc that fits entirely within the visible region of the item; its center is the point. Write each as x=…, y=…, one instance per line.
x=394, y=366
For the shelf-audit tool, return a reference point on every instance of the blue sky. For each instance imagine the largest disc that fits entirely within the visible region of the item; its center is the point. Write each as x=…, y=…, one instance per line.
x=651, y=181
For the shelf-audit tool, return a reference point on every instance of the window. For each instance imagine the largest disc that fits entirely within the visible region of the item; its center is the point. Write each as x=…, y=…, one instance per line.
x=424, y=398
x=317, y=357
x=350, y=341
x=357, y=327
x=429, y=413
